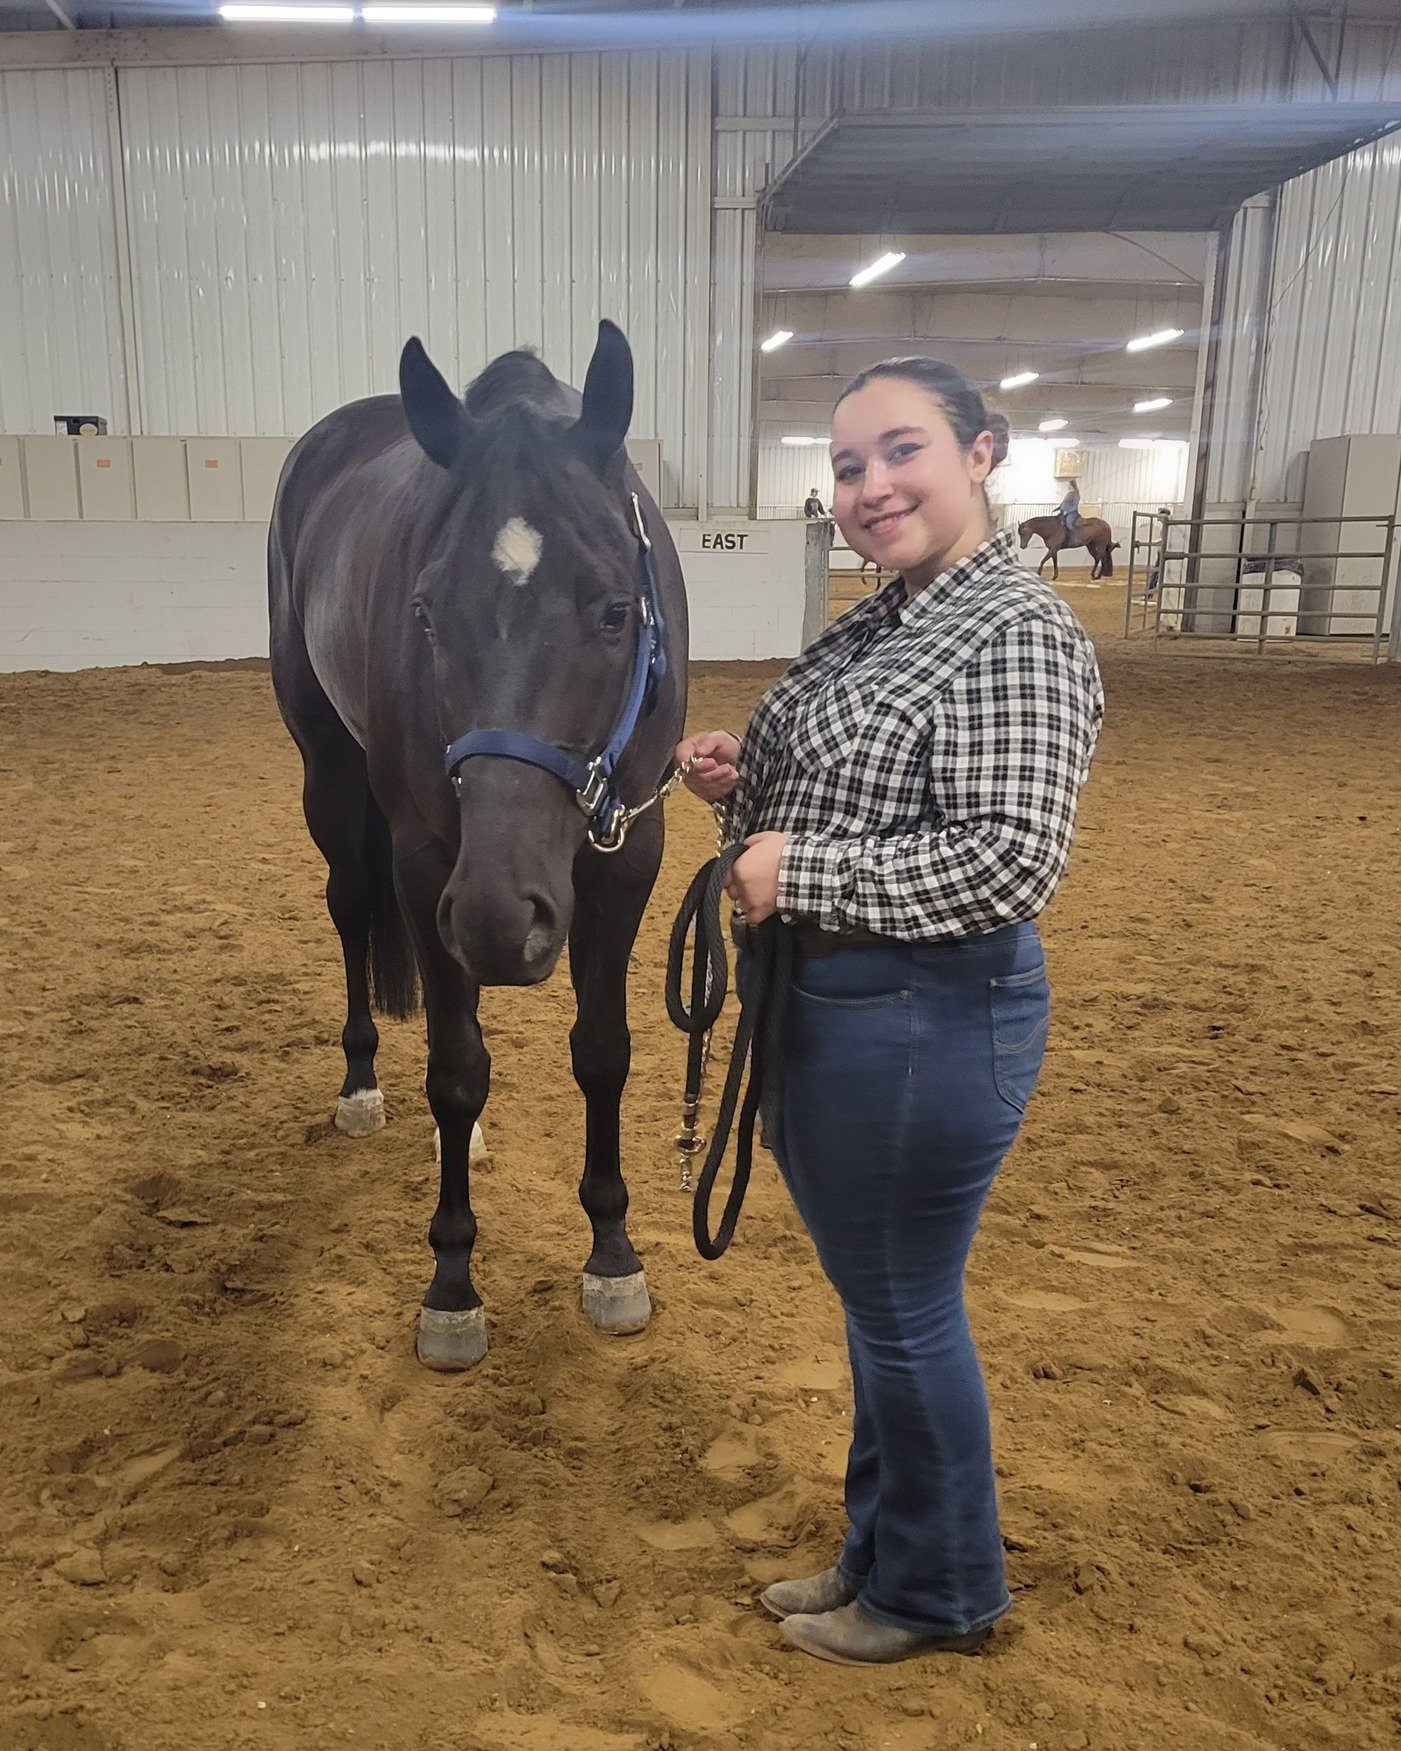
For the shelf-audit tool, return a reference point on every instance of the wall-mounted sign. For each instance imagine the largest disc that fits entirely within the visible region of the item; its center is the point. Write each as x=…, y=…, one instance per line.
x=720, y=538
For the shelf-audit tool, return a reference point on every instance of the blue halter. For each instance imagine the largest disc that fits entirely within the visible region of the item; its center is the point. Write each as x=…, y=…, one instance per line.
x=590, y=780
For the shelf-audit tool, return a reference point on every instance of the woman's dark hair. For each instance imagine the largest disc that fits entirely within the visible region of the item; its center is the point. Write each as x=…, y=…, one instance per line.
x=961, y=403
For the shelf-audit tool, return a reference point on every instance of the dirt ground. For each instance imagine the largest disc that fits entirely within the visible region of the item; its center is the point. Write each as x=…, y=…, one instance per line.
x=236, y=1513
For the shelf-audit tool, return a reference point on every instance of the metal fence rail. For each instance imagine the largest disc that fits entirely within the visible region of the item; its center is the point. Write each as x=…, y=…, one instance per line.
x=1217, y=579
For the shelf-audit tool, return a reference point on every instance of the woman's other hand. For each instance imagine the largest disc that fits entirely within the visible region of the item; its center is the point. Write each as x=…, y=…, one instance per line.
x=753, y=883
x=716, y=771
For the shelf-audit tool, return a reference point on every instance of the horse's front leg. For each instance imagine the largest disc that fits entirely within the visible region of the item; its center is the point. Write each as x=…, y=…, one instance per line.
x=452, y=1320
x=611, y=894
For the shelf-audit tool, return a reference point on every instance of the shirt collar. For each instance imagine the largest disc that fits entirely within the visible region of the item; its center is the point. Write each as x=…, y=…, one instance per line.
x=987, y=561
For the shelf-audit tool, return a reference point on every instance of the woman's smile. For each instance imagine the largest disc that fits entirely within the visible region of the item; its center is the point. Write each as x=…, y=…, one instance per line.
x=887, y=521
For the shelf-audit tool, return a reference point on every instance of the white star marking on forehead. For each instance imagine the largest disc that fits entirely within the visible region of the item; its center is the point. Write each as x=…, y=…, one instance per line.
x=517, y=550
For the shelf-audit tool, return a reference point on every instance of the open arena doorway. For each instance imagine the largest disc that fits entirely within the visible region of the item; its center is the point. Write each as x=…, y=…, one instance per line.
x=1070, y=261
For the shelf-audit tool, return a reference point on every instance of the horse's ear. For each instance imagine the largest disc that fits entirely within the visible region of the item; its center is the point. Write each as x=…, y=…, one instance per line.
x=436, y=416
x=602, y=426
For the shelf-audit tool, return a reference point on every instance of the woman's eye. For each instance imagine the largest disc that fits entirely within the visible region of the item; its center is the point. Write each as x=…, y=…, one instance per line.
x=903, y=452
x=847, y=475
x=615, y=617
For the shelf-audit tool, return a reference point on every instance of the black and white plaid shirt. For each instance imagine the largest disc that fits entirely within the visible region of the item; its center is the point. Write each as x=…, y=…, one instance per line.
x=925, y=757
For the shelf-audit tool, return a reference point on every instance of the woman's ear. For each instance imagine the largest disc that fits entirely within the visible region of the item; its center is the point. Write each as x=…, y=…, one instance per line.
x=980, y=458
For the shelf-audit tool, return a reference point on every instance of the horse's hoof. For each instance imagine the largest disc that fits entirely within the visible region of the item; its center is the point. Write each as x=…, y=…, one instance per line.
x=450, y=1343
x=476, y=1149
x=617, y=1305
x=360, y=1113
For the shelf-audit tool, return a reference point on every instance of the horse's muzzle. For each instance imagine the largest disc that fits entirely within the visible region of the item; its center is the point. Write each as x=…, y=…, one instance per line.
x=515, y=940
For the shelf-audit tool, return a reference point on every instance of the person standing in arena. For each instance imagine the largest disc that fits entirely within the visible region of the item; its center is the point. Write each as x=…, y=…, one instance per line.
x=906, y=793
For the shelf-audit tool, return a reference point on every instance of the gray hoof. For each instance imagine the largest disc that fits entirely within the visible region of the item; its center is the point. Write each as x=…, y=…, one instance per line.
x=617, y=1305
x=450, y=1343
x=360, y=1113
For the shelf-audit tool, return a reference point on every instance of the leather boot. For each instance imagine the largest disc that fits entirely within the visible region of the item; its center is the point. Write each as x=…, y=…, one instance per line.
x=824, y=1592
x=848, y=1637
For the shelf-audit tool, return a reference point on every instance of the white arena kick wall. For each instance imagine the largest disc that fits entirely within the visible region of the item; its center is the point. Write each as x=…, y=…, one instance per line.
x=84, y=594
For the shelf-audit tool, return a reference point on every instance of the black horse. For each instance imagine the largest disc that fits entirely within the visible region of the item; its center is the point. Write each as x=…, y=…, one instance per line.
x=479, y=645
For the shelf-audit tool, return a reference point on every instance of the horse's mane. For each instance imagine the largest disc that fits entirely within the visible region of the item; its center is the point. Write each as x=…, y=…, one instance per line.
x=522, y=408
x=517, y=379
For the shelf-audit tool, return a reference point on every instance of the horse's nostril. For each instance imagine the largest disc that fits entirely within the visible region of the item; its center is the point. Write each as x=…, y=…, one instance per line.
x=540, y=937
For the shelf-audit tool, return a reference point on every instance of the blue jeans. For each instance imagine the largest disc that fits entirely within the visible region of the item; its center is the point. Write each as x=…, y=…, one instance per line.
x=907, y=1070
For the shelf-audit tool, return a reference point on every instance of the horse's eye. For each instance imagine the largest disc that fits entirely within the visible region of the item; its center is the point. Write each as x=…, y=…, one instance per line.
x=615, y=617
x=420, y=614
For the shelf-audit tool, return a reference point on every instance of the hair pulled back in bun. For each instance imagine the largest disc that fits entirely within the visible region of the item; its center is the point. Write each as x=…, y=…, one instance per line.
x=1001, y=432
x=962, y=405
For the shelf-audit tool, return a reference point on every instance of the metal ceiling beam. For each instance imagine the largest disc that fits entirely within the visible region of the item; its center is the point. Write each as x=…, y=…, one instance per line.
x=60, y=14
x=1304, y=31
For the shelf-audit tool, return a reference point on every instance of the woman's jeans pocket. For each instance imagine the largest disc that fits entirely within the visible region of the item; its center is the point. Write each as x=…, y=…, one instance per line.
x=853, y=979
x=1021, y=1009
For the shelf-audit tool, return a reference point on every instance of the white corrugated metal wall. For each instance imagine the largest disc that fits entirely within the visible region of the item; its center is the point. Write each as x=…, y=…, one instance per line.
x=1311, y=325
x=62, y=347
x=1332, y=349
x=786, y=471
x=252, y=311
x=1171, y=62
x=291, y=225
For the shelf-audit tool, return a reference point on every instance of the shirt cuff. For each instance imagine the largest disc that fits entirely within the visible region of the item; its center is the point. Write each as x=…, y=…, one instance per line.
x=812, y=878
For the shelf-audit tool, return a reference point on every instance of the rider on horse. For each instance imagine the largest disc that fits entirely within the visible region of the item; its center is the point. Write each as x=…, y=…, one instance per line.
x=1068, y=510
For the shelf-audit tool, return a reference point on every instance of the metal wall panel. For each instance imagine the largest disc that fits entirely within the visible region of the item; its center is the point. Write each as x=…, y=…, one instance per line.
x=58, y=254
x=1235, y=401
x=1165, y=63
x=1311, y=348
x=786, y=471
x=292, y=225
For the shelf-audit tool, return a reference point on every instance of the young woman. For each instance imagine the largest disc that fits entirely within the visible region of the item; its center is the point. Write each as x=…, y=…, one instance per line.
x=907, y=792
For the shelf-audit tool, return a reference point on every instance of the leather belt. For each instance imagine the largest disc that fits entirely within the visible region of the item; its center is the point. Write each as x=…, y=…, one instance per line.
x=813, y=942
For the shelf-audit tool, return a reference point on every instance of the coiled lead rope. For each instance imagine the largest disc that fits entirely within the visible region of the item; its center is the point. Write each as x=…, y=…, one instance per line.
x=758, y=1036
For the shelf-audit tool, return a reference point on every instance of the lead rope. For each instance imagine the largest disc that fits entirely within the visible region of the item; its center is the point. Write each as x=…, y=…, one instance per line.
x=757, y=1045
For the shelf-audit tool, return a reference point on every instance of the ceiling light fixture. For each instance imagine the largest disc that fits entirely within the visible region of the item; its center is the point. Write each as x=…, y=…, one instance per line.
x=891, y=259
x=1160, y=339
x=428, y=14
x=1019, y=380
x=779, y=338
x=798, y=438
x=1153, y=404
x=1135, y=443
x=1055, y=425
x=247, y=13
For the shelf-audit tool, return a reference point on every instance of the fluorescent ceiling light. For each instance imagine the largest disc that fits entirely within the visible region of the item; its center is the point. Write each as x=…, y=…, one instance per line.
x=414, y=14
x=1152, y=405
x=796, y=438
x=891, y=259
x=249, y=13
x=1019, y=380
x=779, y=338
x=1135, y=443
x=1160, y=339
x=1056, y=425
